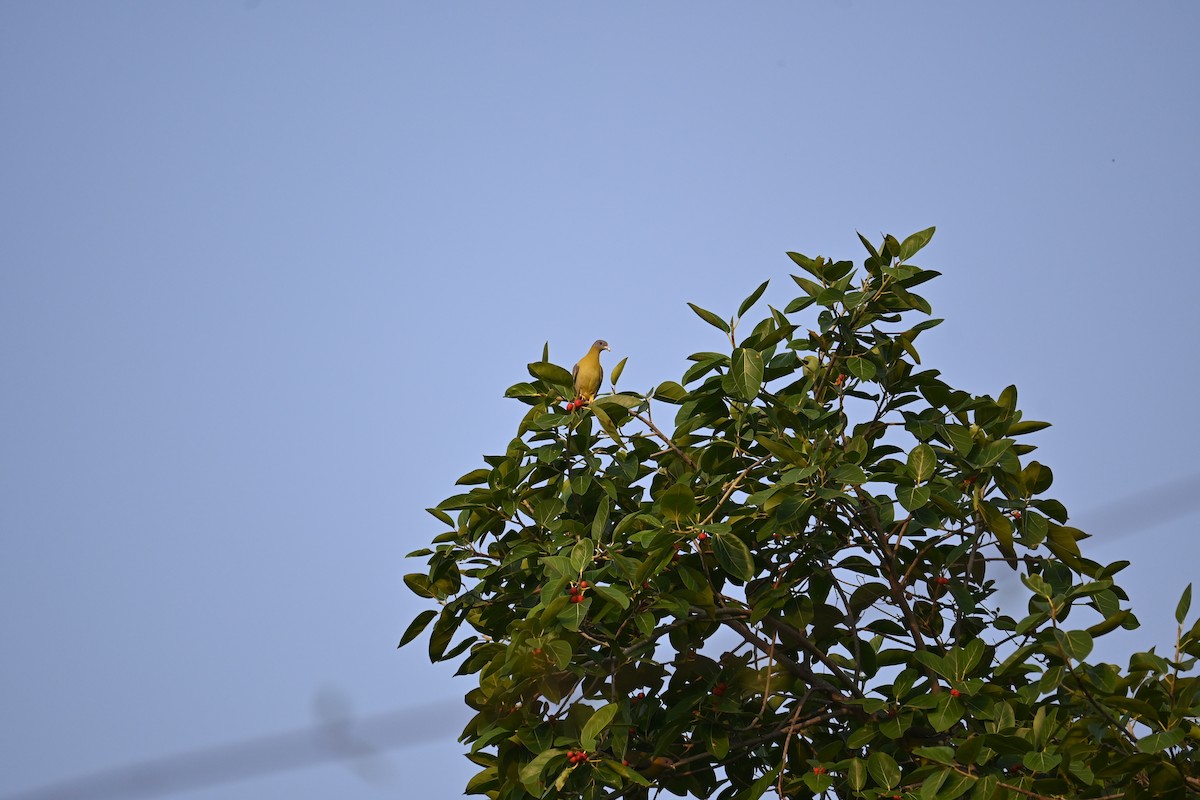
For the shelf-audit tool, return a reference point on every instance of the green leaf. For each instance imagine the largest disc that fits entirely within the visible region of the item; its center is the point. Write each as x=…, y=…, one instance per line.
x=1027, y=426
x=856, y=774
x=600, y=520
x=606, y=422
x=531, y=773
x=596, y=725
x=561, y=651
x=617, y=370
x=1110, y=623
x=883, y=769
x=922, y=461
x=752, y=299
x=860, y=368
x=1082, y=771
x=1037, y=477
x=719, y=744
x=912, y=497
x=417, y=625
x=940, y=755
x=574, y=614
x=560, y=566
x=1185, y=603
x=1000, y=524
x=582, y=554
x=991, y=452
x=959, y=437
x=552, y=373
x=613, y=595
x=929, y=787
x=912, y=244
x=867, y=244
x=677, y=503
x=482, y=781
x=746, y=371
x=1157, y=742
x=418, y=584
x=671, y=392
x=1008, y=398
x=1076, y=644
x=1040, y=762
x=547, y=512
x=710, y=317
x=810, y=265
x=475, y=476
x=734, y=556
x=948, y=711
x=849, y=473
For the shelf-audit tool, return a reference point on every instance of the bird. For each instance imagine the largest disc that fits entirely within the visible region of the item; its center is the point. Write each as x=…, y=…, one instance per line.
x=588, y=374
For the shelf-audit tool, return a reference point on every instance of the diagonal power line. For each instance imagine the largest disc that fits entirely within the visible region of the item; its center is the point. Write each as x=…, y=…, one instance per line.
x=349, y=739
x=336, y=740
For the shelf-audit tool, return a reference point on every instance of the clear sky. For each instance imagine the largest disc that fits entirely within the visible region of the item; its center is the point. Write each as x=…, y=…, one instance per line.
x=266, y=269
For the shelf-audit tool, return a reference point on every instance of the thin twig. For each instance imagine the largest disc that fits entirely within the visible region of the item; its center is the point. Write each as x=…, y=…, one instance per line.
x=666, y=440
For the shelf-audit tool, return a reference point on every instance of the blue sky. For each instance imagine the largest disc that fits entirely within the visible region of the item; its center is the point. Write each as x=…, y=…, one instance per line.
x=267, y=268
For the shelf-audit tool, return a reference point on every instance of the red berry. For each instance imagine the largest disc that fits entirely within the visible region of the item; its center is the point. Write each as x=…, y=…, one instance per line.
x=625, y=762
x=537, y=651
x=583, y=584
x=954, y=693
x=702, y=536
x=818, y=770
x=941, y=580
x=719, y=689
x=1016, y=515
x=576, y=598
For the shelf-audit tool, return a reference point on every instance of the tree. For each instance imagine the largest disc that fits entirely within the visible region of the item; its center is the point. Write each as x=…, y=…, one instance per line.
x=791, y=594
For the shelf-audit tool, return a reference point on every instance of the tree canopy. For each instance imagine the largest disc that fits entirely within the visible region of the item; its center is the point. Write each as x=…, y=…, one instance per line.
x=789, y=590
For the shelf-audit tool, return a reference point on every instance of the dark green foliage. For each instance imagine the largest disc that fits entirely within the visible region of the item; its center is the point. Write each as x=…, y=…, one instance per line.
x=789, y=592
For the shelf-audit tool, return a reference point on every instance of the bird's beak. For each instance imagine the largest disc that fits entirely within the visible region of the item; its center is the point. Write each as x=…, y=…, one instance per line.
x=609, y=349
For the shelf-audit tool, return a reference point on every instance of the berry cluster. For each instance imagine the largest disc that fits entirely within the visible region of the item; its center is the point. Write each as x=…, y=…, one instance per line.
x=576, y=591
x=577, y=756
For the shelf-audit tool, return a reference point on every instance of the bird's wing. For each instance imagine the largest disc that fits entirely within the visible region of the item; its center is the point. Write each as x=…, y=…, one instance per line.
x=575, y=374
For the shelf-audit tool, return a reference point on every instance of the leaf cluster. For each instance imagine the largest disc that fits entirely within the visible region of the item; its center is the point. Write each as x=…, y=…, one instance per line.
x=792, y=592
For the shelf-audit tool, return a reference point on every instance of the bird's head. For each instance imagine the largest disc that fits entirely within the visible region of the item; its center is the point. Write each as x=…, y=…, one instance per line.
x=599, y=345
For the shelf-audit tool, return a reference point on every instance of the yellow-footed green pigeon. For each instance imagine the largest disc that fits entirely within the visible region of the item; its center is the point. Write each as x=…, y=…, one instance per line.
x=588, y=374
